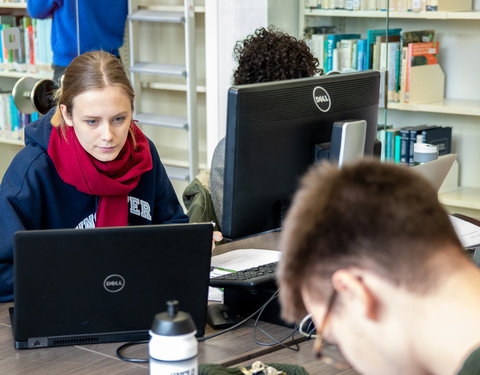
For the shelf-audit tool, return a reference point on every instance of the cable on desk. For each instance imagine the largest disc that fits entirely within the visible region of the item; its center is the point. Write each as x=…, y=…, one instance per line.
x=143, y=360
x=274, y=341
x=236, y=325
x=128, y=359
x=256, y=326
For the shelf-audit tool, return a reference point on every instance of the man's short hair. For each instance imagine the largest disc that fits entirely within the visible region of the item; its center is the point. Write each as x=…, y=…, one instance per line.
x=379, y=216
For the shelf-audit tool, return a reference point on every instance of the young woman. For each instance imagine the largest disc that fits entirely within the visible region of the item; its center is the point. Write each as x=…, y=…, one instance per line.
x=85, y=164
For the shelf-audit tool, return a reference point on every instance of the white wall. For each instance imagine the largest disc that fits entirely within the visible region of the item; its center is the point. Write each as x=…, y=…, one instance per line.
x=226, y=22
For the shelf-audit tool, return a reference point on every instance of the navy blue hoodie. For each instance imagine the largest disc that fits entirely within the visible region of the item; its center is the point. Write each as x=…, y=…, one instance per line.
x=33, y=196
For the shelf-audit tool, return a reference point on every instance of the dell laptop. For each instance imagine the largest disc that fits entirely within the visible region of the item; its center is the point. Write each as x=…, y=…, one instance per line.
x=88, y=286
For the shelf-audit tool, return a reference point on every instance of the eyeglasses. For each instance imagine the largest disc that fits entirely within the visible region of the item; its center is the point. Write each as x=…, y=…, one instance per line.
x=318, y=346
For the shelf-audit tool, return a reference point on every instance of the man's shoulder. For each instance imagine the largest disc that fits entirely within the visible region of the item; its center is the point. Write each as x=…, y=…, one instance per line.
x=471, y=366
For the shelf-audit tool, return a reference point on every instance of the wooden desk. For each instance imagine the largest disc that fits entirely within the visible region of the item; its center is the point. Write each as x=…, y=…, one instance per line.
x=229, y=349
x=226, y=349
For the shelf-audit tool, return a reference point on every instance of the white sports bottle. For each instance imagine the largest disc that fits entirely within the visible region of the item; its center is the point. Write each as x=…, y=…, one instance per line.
x=173, y=347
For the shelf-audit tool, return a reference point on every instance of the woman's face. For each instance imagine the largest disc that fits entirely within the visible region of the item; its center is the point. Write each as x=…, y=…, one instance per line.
x=101, y=120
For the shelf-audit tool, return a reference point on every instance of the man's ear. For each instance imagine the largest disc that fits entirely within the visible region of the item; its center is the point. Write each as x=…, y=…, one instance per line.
x=351, y=286
x=66, y=116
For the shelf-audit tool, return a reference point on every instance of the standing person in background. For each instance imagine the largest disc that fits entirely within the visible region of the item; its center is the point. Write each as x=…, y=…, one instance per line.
x=85, y=164
x=101, y=26
x=369, y=252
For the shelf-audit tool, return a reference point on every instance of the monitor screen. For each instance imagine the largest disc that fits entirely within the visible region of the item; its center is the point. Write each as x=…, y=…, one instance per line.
x=272, y=132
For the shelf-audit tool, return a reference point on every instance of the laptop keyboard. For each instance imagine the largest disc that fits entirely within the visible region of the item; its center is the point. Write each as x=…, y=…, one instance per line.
x=249, y=277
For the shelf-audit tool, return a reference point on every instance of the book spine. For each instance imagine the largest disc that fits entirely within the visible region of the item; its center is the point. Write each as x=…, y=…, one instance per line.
x=403, y=74
x=397, y=78
x=397, y=148
x=13, y=114
x=407, y=72
x=361, y=54
x=404, y=145
x=1, y=47
x=376, y=53
x=388, y=145
x=330, y=46
x=413, y=140
x=439, y=136
x=354, y=56
x=392, y=70
x=318, y=45
x=381, y=134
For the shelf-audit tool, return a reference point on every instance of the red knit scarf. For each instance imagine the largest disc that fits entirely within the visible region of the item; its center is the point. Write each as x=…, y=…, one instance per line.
x=111, y=181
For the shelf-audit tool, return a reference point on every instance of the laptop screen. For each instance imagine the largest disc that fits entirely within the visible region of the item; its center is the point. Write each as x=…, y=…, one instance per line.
x=75, y=286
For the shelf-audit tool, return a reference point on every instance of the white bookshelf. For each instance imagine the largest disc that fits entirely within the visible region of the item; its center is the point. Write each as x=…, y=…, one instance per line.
x=10, y=146
x=459, y=107
x=10, y=141
x=8, y=5
x=459, y=37
x=474, y=15
x=463, y=200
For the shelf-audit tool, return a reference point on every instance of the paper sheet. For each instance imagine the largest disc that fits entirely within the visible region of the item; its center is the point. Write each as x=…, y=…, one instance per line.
x=468, y=233
x=241, y=259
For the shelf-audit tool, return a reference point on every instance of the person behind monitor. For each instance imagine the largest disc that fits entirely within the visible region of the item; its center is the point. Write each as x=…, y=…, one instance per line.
x=372, y=255
x=266, y=55
x=85, y=164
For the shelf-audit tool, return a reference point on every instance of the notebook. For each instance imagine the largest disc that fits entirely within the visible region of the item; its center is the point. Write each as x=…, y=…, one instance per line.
x=88, y=286
x=436, y=171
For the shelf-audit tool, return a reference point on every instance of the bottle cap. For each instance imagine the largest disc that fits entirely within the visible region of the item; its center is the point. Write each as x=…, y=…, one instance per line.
x=172, y=322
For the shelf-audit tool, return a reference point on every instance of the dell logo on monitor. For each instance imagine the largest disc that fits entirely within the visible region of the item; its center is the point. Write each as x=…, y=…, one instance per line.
x=321, y=99
x=114, y=283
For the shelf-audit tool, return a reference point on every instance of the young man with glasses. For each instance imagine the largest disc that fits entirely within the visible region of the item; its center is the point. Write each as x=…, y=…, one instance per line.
x=371, y=254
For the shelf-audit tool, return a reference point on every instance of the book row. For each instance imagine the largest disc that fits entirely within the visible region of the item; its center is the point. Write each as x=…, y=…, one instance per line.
x=12, y=121
x=393, y=5
x=395, y=54
x=397, y=143
x=25, y=44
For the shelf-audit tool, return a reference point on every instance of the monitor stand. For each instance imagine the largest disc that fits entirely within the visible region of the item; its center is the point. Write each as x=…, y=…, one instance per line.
x=347, y=143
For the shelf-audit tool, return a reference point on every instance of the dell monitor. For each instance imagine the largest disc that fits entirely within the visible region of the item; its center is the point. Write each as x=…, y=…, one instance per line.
x=275, y=131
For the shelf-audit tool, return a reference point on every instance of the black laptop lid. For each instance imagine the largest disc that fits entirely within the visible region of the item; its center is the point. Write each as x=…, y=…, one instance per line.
x=75, y=286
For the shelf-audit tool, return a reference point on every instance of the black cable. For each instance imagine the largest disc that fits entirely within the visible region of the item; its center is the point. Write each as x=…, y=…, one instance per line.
x=275, y=341
x=236, y=325
x=258, y=311
x=143, y=360
x=126, y=345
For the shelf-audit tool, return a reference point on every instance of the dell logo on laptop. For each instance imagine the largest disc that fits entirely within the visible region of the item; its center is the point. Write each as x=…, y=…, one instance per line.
x=114, y=283
x=321, y=99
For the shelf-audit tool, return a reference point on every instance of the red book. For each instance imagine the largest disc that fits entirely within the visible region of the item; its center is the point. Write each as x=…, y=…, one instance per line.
x=31, y=45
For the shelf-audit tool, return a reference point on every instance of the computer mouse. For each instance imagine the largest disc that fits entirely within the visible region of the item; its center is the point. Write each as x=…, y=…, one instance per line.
x=220, y=316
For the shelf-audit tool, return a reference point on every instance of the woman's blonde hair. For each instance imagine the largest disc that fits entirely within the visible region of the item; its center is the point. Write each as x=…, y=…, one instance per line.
x=91, y=70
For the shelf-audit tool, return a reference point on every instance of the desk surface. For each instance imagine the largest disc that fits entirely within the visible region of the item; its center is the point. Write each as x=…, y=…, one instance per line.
x=229, y=349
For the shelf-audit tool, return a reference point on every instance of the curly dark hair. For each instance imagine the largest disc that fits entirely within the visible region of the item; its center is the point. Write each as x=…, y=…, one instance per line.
x=272, y=55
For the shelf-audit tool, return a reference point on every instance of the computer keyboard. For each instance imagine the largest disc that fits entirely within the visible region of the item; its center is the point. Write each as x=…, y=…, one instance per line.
x=249, y=277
